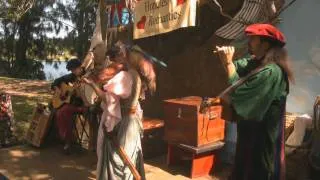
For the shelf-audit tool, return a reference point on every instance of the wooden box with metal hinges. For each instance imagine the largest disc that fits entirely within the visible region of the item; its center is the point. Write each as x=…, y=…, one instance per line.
x=186, y=125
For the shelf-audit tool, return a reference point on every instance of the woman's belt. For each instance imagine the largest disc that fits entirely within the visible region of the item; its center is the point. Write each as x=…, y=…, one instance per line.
x=128, y=110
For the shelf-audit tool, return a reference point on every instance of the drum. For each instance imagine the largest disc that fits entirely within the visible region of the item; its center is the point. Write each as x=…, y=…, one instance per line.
x=88, y=95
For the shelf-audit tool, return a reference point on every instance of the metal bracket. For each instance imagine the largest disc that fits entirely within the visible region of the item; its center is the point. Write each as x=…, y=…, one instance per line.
x=179, y=113
x=212, y=115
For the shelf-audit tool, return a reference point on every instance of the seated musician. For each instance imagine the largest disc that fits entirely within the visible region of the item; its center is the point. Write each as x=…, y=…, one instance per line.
x=65, y=110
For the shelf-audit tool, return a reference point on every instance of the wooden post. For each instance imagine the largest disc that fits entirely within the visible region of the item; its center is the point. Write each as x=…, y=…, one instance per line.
x=103, y=20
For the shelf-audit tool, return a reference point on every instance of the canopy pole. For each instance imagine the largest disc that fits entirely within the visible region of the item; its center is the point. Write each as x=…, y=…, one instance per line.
x=103, y=23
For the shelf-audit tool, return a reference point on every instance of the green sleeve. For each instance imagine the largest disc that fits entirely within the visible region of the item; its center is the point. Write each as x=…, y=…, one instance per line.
x=241, y=66
x=252, y=99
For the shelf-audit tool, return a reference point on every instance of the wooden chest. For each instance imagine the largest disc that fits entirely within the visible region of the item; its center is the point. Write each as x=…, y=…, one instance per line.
x=184, y=124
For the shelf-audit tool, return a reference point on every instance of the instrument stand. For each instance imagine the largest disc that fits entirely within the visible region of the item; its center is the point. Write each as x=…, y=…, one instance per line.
x=86, y=129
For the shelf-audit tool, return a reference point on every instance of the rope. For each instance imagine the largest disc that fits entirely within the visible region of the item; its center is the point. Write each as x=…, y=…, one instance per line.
x=248, y=23
x=227, y=15
x=282, y=10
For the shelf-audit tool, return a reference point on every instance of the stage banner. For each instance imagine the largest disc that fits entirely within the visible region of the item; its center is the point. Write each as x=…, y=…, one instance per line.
x=152, y=17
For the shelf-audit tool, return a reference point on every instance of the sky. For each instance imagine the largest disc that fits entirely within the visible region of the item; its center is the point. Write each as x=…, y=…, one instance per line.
x=63, y=33
x=303, y=44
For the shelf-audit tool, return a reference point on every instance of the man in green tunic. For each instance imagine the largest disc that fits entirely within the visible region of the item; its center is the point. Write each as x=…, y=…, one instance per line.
x=259, y=103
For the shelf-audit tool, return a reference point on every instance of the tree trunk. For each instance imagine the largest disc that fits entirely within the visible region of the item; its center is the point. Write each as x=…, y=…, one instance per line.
x=22, y=44
x=80, y=35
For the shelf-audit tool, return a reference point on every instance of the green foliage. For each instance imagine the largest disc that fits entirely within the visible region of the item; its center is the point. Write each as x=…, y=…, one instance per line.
x=82, y=14
x=25, y=24
x=14, y=9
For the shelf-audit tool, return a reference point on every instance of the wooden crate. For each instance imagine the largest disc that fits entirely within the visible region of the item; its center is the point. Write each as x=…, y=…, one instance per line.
x=38, y=126
x=184, y=124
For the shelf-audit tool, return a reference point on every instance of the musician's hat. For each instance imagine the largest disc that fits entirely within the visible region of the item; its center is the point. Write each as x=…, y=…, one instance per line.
x=266, y=30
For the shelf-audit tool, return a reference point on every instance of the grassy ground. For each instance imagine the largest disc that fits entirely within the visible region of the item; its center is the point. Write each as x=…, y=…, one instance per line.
x=25, y=95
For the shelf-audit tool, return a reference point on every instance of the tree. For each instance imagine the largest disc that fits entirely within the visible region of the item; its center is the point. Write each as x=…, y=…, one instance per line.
x=42, y=18
x=82, y=14
x=14, y=9
x=24, y=25
x=24, y=33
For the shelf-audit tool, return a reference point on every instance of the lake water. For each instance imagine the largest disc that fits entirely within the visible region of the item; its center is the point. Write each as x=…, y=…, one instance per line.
x=55, y=69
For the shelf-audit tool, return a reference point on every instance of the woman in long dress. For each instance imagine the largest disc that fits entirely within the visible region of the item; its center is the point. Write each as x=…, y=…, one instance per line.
x=122, y=114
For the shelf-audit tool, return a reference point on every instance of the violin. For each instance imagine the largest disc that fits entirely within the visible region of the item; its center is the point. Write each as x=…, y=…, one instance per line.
x=108, y=73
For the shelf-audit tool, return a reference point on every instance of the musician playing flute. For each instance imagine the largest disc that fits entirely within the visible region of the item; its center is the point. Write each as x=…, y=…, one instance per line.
x=259, y=103
x=121, y=121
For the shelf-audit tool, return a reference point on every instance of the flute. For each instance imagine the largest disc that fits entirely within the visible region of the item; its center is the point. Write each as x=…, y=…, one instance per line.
x=216, y=51
x=218, y=48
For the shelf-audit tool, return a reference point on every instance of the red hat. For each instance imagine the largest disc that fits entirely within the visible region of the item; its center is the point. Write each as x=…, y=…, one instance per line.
x=265, y=30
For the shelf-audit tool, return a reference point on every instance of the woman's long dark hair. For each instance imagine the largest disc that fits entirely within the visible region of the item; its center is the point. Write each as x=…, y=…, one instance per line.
x=137, y=60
